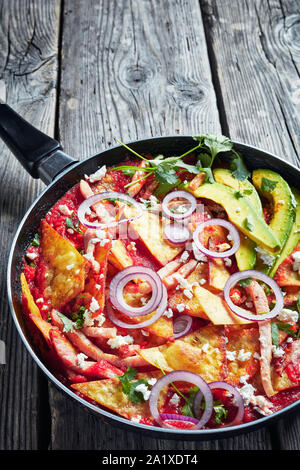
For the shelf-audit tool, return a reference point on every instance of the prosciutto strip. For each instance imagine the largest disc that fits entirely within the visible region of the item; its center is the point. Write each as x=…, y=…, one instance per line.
x=265, y=336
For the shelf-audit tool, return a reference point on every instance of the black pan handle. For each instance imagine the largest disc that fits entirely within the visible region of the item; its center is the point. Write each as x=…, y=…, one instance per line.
x=39, y=154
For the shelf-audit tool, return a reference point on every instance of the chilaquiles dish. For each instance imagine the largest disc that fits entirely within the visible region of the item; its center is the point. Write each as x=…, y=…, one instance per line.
x=167, y=289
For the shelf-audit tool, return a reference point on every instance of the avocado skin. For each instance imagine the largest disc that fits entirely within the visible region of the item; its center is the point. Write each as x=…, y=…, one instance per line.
x=246, y=254
x=294, y=237
x=284, y=214
x=225, y=196
x=224, y=176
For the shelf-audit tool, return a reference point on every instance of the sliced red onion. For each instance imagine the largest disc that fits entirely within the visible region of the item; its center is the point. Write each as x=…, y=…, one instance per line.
x=252, y=274
x=131, y=326
x=239, y=402
x=223, y=223
x=183, y=195
x=182, y=326
x=176, y=234
x=181, y=376
x=176, y=417
x=128, y=274
x=92, y=200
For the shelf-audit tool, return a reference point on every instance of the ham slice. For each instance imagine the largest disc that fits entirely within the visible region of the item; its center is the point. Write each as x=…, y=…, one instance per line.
x=265, y=335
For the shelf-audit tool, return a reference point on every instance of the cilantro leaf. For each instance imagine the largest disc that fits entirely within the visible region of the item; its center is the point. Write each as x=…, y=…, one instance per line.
x=36, y=239
x=220, y=413
x=74, y=226
x=129, y=387
x=267, y=185
x=187, y=409
x=238, y=167
x=248, y=191
x=68, y=324
x=284, y=326
x=165, y=173
x=78, y=317
x=248, y=223
x=238, y=194
x=298, y=302
x=204, y=160
x=275, y=334
x=217, y=144
x=245, y=282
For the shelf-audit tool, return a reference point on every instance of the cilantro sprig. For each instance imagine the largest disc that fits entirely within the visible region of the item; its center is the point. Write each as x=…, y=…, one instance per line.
x=36, y=239
x=129, y=387
x=73, y=225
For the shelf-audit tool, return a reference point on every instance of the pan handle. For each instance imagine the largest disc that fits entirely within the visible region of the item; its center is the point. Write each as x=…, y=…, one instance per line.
x=41, y=156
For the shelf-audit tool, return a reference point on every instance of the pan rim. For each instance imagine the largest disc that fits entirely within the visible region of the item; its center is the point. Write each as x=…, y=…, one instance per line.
x=150, y=430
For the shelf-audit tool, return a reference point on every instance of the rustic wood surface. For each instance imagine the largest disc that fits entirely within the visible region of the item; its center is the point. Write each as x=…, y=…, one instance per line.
x=89, y=72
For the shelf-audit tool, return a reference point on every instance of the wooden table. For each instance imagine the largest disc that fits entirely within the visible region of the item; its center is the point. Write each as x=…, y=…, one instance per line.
x=91, y=71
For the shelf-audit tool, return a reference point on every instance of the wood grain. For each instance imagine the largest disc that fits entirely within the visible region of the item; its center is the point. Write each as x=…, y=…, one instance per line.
x=28, y=71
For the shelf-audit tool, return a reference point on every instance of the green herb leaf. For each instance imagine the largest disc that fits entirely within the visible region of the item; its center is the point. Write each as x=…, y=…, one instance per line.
x=267, y=185
x=217, y=144
x=36, y=239
x=70, y=224
x=238, y=194
x=78, y=317
x=275, y=334
x=220, y=413
x=129, y=387
x=284, y=326
x=249, y=224
x=187, y=409
x=68, y=324
x=238, y=167
x=248, y=191
x=245, y=282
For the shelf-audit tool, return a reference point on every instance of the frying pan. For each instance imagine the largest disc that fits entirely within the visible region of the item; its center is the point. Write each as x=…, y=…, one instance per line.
x=44, y=158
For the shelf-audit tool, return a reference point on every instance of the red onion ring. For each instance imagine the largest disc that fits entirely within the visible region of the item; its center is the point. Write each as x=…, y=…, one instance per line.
x=176, y=233
x=120, y=280
x=159, y=312
x=182, y=326
x=175, y=417
x=179, y=194
x=230, y=283
x=237, y=396
x=182, y=376
x=223, y=223
x=90, y=201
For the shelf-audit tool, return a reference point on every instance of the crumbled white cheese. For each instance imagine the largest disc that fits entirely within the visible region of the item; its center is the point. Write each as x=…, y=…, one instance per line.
x=94, y=305
x=100, y=319
x=231, y=355
x=70, y=230
x=202, y=281
x=143, y=389
x=39, y=300
x=80, y=360
x=152, y=381
x=249, y=304
x=277, y=352
x=88, y=319
x=180, y=308
x=198, y=255
x=63, y=209
x=288, y=315
x=136, y=419
x=238, y=209
x=98, y=175
x=184, y=256
x=169, y=313
x=97, y=286
x=296, y=263
x=89, y=256
x=247, y=392
x=229, y=237
x=31, y=256
x=243, y=356
x=70, y=266
x=188, y=293
x=152, y=203
x=265, y=257
x=205, y=347
x=227, y=262
x=289, y=340
x=119, y=341
x=144, y=300
x=145, y=333
x=256, y=356
x=260, y=403
x=175, y=399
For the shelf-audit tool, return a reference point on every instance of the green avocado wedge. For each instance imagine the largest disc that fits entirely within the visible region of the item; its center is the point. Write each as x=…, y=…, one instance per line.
x=294, y=237
x=246, y=254
x=244, y=188
x=240, y=212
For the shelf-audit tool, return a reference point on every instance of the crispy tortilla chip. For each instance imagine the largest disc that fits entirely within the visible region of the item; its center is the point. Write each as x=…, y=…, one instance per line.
x=109, y=394
x=27, y=296
x=66, y=267
x=202, y=352
x=118, y=255
x=149, y=228
x=246, y=339
x=218, y=274
x=281, y=382
x=42, y=325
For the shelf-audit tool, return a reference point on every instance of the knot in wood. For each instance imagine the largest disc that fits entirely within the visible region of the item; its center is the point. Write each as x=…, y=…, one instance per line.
x=136, y=76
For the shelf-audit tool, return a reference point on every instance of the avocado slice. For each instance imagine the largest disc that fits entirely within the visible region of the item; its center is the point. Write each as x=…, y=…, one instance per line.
x=294, y=237
x=246, y=254
x=240, y=212
x=276, y=190
x=224, y=176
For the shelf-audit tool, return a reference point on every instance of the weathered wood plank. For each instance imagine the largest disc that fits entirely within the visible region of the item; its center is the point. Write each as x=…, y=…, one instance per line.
x=28, y=70
x=259, y=82
x=124, y=76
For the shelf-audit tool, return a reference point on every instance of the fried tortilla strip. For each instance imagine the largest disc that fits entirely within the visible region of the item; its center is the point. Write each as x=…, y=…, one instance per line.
x=109, y=393
x=281, y=382
x=149, y=228
x=27, y=296
x=66, y=267
x=118, y=255
x=241, y=342
x=202, y=352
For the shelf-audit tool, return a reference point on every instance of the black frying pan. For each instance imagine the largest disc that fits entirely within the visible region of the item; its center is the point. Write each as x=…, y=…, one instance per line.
x=43, y=158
